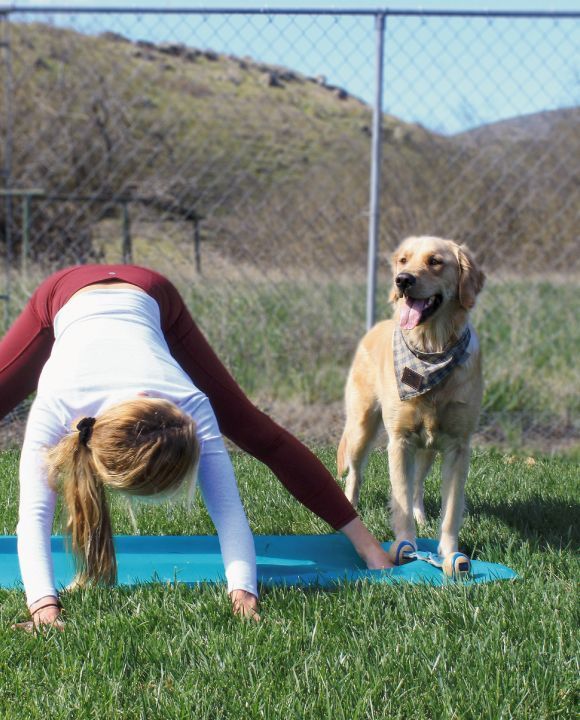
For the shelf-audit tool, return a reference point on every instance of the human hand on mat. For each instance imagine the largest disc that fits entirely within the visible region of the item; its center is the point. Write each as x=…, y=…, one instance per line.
x=245, y=604
x=367, y=546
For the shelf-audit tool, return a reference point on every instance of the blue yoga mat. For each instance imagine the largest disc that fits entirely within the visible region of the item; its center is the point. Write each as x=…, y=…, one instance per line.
x=303, y=560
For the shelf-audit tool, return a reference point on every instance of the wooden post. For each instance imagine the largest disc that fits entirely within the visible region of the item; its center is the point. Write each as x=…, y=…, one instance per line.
x=127, y=248
x=197, y=244
x=25, y=249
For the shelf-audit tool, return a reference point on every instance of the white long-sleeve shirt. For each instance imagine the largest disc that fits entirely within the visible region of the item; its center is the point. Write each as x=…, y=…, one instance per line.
x=109, y=347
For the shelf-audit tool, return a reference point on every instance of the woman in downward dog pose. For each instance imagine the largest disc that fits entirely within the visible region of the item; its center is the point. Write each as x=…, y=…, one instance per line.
x=131, y=397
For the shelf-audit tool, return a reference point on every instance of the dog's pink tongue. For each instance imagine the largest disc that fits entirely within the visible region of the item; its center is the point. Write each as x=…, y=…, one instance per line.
x=411, y=313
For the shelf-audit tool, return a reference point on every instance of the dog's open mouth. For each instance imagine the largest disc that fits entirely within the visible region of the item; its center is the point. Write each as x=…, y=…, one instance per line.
x=417, y=310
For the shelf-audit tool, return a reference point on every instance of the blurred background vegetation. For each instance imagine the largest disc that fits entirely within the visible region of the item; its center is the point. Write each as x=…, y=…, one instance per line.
x=247, y=184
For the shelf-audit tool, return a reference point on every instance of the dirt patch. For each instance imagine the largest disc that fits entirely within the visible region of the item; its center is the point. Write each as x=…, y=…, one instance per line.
x=321, y=425
x=12, y=433
x=316, y=425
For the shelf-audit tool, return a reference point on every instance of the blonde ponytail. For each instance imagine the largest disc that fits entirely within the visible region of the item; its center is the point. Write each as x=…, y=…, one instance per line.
x=144, y=447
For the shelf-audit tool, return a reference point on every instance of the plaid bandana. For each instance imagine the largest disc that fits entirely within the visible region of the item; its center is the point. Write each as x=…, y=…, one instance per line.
x=418, y=372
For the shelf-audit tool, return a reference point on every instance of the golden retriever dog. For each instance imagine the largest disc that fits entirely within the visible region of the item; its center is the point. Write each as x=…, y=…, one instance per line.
x=421, y=373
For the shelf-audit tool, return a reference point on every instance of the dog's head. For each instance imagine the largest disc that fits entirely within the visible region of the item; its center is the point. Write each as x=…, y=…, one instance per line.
x=436, y=282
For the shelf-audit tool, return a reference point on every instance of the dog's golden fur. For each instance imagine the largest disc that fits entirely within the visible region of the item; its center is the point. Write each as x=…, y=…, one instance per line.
x=444, y=418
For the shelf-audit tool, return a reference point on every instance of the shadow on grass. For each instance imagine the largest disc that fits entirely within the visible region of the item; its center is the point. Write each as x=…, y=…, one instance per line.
x=540, y=520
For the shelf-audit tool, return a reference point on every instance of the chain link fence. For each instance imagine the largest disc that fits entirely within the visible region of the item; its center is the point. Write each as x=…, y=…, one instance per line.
x=232, y=151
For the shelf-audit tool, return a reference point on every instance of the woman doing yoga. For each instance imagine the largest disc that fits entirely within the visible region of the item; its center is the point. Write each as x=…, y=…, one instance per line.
x=130, y=397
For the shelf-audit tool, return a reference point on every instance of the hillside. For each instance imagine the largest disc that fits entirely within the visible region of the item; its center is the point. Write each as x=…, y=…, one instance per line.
x=536, y=128
x=275, y=164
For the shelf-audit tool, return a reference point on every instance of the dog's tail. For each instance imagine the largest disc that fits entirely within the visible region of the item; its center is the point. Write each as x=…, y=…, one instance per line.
x=341, y=461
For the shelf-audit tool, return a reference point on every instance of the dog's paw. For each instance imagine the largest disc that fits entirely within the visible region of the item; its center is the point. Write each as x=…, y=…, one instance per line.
x=447, y=546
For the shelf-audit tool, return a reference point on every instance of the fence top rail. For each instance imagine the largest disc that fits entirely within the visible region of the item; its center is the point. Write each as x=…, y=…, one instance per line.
x=136, y=10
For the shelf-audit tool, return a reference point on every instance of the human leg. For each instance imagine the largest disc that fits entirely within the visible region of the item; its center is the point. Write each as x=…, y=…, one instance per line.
x=23, y=351
x=297, y=468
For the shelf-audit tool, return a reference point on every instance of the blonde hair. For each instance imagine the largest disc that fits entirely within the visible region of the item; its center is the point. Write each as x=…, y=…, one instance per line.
x=143, y=447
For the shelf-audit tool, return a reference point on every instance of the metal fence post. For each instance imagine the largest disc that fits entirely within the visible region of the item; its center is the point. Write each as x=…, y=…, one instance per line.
x=7, y=169
x=375, y=188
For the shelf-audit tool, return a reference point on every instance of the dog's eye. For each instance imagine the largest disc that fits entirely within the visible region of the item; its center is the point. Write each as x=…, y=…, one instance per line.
x=403, y=260
x=435, y=261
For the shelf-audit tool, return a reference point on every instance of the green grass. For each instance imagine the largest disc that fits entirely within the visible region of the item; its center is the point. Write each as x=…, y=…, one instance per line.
x=504, y=650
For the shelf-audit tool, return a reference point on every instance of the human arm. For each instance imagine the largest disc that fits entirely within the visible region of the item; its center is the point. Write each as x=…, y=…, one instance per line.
x=219, y=490
x=36, y=514
x=220, y=493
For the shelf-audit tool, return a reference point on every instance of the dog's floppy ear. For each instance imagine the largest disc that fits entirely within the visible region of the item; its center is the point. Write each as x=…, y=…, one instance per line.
x=471, y=278
x=394, y=295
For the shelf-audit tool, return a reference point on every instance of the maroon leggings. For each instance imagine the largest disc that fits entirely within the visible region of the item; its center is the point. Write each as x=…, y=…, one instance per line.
x=27, y=345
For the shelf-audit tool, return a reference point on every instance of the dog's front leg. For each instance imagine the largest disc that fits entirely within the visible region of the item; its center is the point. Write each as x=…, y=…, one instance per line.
x=402, y=472
x=423, y=462
x=454, y=471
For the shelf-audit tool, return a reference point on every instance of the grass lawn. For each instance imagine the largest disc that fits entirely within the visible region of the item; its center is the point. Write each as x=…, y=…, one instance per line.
x=504, y=650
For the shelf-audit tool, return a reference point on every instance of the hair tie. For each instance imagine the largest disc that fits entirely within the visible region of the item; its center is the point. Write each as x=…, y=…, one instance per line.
x=85, y=428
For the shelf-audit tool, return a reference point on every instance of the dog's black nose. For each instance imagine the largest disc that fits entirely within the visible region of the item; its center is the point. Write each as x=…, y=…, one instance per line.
x=405, y=280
